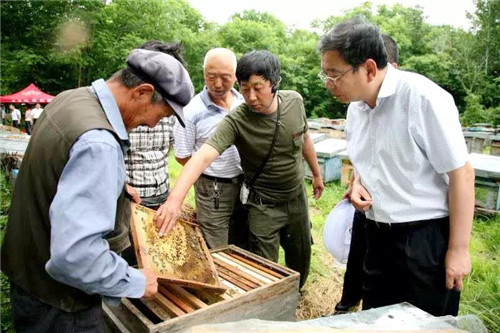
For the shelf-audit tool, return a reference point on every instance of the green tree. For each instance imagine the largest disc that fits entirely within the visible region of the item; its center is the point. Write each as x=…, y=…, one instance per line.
x=30, y=51
x=242, y=34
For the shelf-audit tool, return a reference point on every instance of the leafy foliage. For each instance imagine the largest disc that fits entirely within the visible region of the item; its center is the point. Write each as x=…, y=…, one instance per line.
x=62, y=45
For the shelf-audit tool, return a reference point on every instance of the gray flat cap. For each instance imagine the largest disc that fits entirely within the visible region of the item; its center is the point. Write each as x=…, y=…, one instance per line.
x=166, y=74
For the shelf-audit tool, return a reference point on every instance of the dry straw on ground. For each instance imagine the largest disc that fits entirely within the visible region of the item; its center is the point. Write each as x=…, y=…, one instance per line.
x=321, y=293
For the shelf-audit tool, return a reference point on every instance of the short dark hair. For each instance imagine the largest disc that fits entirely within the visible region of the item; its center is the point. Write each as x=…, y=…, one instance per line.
x=172, y=49
x=129, y=79
x=356, y=41
x=262, y=63
x=391, y=47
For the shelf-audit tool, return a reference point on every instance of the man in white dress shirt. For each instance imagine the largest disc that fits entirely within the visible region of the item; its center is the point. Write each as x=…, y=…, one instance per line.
x=413, y=180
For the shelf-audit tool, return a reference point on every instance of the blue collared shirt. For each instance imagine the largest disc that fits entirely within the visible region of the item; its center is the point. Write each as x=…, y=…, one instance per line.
x=84, y=208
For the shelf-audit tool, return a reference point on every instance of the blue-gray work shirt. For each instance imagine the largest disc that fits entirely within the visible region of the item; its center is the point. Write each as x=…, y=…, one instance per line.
x=84, y=208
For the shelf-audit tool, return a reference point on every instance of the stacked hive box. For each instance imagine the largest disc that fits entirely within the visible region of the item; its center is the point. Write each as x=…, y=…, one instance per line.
x=257, y=288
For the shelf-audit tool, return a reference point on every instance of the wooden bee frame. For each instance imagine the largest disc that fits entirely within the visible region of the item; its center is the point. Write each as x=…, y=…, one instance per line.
x=181, y=257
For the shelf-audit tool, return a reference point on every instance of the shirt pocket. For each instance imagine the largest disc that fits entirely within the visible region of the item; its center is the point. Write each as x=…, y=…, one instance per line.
x=298, y=139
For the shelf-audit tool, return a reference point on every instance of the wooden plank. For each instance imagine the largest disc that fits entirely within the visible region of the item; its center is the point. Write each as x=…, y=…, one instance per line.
x=235, y=288
x=208, y=255
x=250, y=267
x=220, y=260
x=237, y=271
x=111, y=322
x=257, y=269
x=187, y=296
x=156, y=309
x=168, y=306
x=263, y=261
x=211, y=297
x=256, y=265
x=192, y=284
x=131, y=317
x=276, y=301
x=225, y=271
x=235, y=264
x=234, y=281
x=176, y=300
x=141, y=252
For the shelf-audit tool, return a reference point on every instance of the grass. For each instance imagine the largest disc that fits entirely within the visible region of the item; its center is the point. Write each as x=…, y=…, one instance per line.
x=481, y=294
x=5, y=311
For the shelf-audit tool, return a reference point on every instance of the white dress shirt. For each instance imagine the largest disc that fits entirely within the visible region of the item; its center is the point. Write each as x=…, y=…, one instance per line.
x=404, y=147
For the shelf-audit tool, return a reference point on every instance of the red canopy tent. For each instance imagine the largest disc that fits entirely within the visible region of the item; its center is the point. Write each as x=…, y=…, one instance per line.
x=30, y=94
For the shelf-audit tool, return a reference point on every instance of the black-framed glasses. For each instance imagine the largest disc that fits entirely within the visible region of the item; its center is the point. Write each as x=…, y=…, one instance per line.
x=333, y=80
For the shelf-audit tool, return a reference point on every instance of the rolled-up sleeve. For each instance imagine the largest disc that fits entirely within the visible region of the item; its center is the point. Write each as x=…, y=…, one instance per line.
x=82, y=213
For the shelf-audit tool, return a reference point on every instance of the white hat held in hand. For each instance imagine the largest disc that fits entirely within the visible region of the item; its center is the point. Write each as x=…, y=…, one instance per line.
x=338, y=229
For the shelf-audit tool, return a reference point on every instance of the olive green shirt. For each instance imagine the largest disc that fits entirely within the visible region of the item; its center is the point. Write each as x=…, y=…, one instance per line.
x=252, y=133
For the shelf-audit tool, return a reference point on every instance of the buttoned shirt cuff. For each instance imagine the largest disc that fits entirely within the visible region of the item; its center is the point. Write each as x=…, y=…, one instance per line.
x=137, y=287
x=137, y=283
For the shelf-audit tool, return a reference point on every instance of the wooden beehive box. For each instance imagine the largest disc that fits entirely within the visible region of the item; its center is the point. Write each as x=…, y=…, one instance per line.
x=330, y=163
x=181, y=257
x=257, y=288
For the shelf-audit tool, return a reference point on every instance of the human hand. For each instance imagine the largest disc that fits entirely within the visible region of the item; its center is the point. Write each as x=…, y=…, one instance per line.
x=318, y=187
x=133, y=193
x=347, y=193
x=457, y=265
x=166, y=216
x=151, y=283
x=359, y=196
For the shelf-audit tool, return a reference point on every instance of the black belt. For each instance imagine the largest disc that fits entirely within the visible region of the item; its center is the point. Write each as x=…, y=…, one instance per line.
x=407, y=225
x=222, y=180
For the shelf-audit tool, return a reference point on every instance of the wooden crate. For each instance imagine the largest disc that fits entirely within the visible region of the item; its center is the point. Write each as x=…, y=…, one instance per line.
x=258, y=288
x=495, y=145
x=347, y=168
x=476, y=141
x=328, y=159
x=487, y=182
x=487, y=194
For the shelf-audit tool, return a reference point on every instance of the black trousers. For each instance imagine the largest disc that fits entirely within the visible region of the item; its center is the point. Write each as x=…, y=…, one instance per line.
x=32, y=316
x=405, y=263
x=351, y=292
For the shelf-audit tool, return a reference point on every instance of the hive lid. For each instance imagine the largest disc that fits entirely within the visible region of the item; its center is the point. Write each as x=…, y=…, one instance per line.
x=329, y=147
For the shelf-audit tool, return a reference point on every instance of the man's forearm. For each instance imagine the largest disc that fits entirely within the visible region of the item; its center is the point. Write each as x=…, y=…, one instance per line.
x=461, y=205
x=309, y=155
x=192, y=171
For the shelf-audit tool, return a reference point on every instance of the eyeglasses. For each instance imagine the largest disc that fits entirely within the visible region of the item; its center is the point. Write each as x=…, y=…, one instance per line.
x=333, y=80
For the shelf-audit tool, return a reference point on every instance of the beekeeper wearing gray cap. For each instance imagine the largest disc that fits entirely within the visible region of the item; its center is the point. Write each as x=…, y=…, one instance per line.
x=58, y=249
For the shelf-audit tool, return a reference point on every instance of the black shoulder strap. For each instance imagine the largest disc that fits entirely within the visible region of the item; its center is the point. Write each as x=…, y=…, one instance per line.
x=261, y=167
